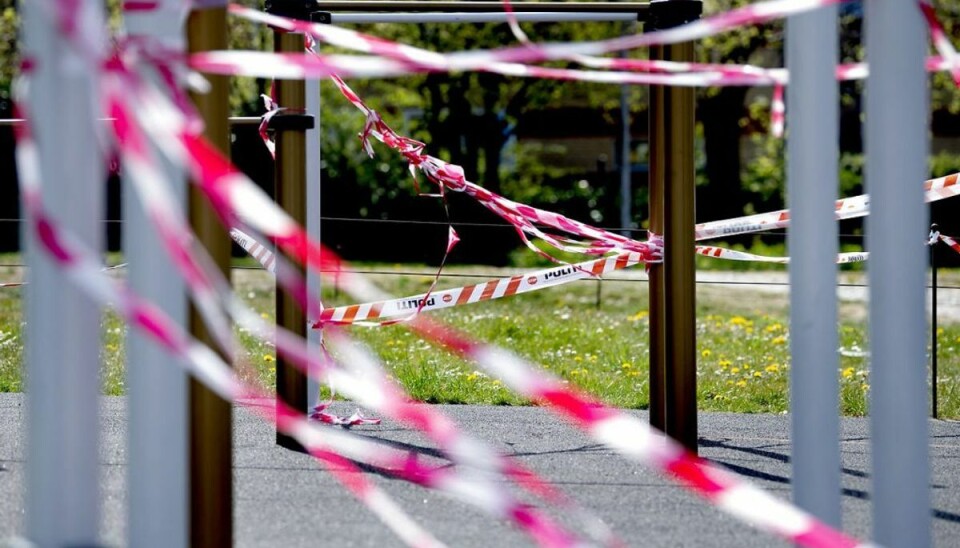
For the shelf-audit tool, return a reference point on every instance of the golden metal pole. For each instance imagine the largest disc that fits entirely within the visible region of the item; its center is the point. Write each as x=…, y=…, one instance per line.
x=657, y=181
x=672, y=128
x=211, y=440
x=679, y=267
x=291, y=195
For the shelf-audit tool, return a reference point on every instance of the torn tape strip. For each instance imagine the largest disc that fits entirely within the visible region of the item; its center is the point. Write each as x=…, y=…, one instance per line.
x=410, y=58
x=734, y=255
x=213, y=371
x=950, y=242
x=846, y=208
x=538, y=527
x=628, y=435
x=80, y=266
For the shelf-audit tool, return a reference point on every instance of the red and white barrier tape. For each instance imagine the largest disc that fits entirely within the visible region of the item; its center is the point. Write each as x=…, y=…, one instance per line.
x=952, y=243
x=941, y=41
x=229, y=191
x=80, y=266
x=286, y=344
x=524, y=218
x=734, y=255
x=846, y=208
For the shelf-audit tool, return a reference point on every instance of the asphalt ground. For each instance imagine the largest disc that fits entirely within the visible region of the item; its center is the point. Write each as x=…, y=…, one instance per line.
x=284, y=499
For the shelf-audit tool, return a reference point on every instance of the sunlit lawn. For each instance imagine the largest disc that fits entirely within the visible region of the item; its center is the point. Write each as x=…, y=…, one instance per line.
x=742, y=341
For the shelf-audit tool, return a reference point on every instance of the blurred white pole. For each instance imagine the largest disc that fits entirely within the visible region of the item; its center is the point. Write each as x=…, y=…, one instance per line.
x=812, y=182
x=494, y=17
x=63, y=326
x=896, y=145
x=313, y=217
x=156, y=387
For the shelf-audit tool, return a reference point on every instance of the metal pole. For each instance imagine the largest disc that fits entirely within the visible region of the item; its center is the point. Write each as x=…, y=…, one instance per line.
x=933, y=324
x=315, y=336
x=477, y=6
x=679, y=314
x=657, y=182
x=626, y=197
x=896, y=147
x=156, y=389
x=63, y=325
x=812, y=182
x=466, y=17
x=211, y=447
x=291, y=190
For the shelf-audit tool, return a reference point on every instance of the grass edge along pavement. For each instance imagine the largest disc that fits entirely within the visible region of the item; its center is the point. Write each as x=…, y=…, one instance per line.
x=743, y=349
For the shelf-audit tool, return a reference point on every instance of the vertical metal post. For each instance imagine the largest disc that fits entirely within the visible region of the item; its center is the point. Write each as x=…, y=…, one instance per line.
x=156, y=389
x=812, y=182
x=896, y=147
x=679, y=311
x=626, y=197
x=211, y=448
x=315, y=336
x=657, y=181
x=933, y=324
x=63, y=361
x=291, y=190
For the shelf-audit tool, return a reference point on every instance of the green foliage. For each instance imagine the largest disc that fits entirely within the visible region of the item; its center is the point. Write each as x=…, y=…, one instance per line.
x=9, y=58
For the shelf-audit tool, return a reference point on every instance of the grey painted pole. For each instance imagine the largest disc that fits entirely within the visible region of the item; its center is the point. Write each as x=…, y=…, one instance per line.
x=896, y=146
x=626, y=196
x=501, y=17
x=314, y=336
x=812, y=182
x=63, y=325
x=157, y=390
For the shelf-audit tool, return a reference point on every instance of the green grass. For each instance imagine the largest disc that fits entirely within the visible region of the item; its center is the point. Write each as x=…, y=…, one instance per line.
x=742, y=342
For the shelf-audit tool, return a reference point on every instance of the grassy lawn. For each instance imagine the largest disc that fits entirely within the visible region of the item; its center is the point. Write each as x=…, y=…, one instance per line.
x=597, y=344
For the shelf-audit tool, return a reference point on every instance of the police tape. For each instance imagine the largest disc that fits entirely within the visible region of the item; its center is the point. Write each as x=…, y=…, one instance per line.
x=79, y=264
x=734, y=255
x=847, y=208
x=952, y=243
x=486, y=291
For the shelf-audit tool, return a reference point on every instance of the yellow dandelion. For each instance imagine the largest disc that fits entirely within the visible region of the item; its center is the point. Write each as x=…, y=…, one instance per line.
x=940, y=331
x=473, y=376
x=706, y=353
x=739, y=320
x=773, y=328
x=264, y=315
x=391, y=342
x=626, y=365
x=847, y=373
x=734, y=370
x=864, y=387
x=772, y=368
x=638, y=316
x=741, y=384
x=497, y=383
x=779, y=339
x=269, y=358
x=757, y=374
x=725, y=363
x=577, y=358
x=633, y=374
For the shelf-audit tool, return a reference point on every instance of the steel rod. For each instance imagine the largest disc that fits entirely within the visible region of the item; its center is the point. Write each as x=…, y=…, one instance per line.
x=934, y=412
x=812, y=186
x=896, y=151
x=479, y=6
x=478, y=17
x=157, y=406
x=63, y=324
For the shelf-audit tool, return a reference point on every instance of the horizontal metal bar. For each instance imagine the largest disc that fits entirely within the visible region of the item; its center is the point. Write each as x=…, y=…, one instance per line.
x=234, y=121
x=491, y=17
x=479, y=6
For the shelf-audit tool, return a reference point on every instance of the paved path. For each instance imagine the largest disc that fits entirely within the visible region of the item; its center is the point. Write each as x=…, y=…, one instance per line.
x=281, y=497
